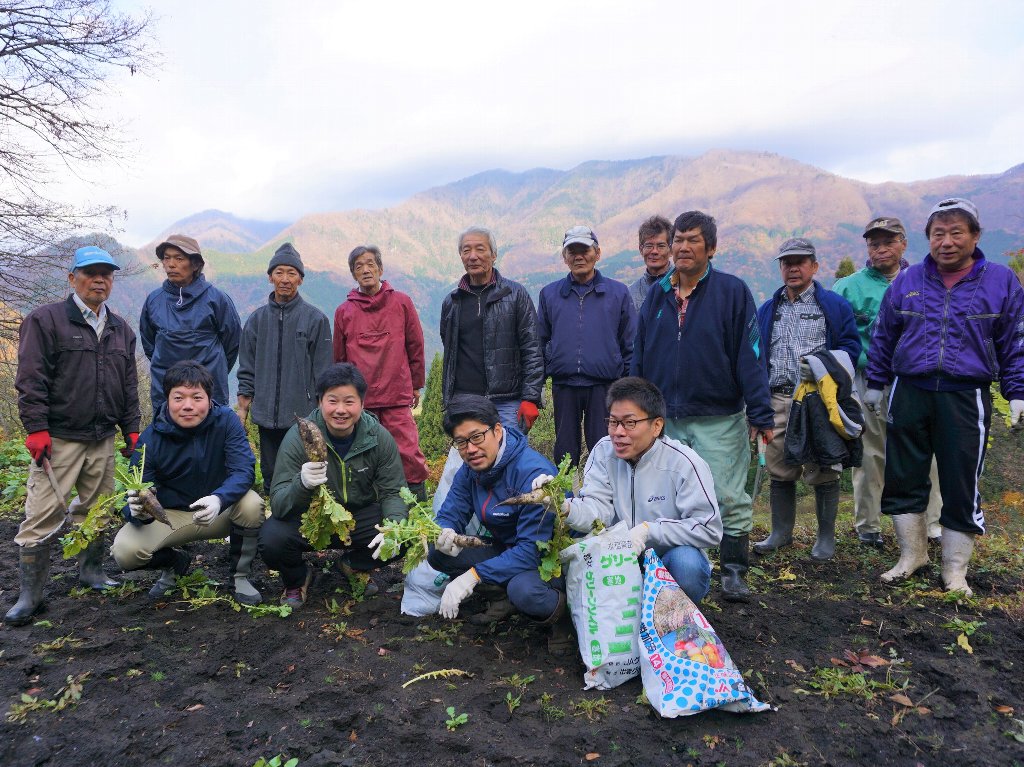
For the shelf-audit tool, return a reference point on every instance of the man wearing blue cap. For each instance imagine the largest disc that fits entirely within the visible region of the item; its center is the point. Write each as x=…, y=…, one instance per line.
x=76, y=383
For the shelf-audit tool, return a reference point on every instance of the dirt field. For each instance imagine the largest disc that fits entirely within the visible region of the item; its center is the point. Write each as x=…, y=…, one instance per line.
x=168, y=684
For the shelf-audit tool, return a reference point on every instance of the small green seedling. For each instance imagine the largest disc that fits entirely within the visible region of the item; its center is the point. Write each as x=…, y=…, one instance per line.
x=454, y=721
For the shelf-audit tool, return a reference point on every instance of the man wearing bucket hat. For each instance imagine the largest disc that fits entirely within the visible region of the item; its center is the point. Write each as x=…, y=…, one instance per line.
x=947, y=328
x=886, y=242
x=187, y=318
x=76, y=384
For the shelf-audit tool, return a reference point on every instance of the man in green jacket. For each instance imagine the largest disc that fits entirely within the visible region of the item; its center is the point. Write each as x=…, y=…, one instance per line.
x=886, y=240
x=363, y=472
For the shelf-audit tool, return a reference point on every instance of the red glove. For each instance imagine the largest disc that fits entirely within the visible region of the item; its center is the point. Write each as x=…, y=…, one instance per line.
x=130, y=440
x=528, y=413
x=39, y=445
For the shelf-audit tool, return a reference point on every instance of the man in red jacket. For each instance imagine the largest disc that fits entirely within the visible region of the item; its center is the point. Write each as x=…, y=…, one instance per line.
x=377, y=330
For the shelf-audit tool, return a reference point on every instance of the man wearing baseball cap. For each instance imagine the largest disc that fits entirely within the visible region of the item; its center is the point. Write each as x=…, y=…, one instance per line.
x=886, y=241
x=76, y=384
x=586, y=323
x=187, y=318
x=947, y=328
x=800, y=319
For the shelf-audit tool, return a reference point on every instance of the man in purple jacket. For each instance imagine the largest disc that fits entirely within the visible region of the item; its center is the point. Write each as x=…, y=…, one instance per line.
x=947, y=328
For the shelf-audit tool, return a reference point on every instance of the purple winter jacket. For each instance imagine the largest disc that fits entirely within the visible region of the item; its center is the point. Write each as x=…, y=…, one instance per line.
x=948, y=340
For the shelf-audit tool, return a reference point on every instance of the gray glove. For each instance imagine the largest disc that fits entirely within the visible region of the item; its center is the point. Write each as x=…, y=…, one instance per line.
x=806, y=374
x=135, y=506
x=313, y=474
x=873, y=400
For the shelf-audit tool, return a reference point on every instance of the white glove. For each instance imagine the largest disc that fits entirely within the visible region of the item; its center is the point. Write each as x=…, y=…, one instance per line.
x=445, y=543
x=806, y=374
x=205, y=510
x=375, y=545
x=1017, y=413
x=313, y=474
x=639, y=535
x=873, y=400
x=456, y=591
x=135, y=505
x=541, y=479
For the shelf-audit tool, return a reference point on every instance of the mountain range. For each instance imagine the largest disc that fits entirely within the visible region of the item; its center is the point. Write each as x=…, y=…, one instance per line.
x=759, y=200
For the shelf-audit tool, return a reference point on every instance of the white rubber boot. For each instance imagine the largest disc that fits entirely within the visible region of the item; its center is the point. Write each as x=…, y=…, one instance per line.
x=957, y=548
x=912, y=534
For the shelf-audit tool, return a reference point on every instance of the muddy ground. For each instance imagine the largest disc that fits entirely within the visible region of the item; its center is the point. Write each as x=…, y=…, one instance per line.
x=168, y=684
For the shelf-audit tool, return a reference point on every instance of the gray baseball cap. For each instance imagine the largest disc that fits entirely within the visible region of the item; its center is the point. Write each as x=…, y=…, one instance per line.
x=886, y=224
x=797, y=246
x=955, y=203
x=583, y=235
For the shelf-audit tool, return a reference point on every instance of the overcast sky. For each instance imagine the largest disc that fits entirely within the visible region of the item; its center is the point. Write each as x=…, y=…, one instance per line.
x=273, y=110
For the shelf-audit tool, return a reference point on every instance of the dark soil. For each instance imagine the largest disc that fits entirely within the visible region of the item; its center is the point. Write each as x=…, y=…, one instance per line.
x=214, y=687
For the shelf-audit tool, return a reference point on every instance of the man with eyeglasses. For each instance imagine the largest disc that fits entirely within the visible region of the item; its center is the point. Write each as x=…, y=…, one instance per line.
x=655, y=250
x=660, y=487
x=586, y=323
x=947, y=328
x=886, y=241
x=698, y=342
x=497, y=464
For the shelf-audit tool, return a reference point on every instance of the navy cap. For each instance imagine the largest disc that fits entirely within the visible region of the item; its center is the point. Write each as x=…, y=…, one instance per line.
x=91, y=255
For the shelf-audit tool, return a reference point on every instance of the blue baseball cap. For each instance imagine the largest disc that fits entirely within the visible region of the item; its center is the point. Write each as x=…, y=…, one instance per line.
x=90, y=255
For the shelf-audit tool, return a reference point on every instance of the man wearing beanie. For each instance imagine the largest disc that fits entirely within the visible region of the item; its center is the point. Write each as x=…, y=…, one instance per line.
x=187, y=318
x=286, y=345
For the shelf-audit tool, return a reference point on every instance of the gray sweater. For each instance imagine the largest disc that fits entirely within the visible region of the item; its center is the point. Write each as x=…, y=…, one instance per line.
x=285, y=347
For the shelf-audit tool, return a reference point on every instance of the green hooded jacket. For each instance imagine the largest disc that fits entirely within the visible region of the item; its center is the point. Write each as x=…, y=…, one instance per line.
x=370, y=473
x=863, y=290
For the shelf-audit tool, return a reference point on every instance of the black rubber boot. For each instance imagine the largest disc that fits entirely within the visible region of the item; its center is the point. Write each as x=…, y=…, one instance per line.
x=90, y=568
x=242, y=545
x=419, y=489
x=562, y=640
x=826, y=502
x=735, y=560
x=173, y=562
x=783, y=502
x=498, y=605
x=34, y=567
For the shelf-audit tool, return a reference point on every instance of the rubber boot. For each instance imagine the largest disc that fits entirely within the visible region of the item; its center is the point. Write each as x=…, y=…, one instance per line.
x=826, y=503
x=562, y=640
x=90, y=568
x=957, y=548
x=735, y=559
x=172, y=562
x=498, y=605
x=912, y=535
x=34, y=567
x=242, y=547
x=419, y=489
x=783, y=502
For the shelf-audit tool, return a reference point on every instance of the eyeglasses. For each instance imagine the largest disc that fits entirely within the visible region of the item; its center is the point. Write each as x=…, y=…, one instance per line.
x=461, y=443
x=628, y=424
x=876, y=245
x=661, y=247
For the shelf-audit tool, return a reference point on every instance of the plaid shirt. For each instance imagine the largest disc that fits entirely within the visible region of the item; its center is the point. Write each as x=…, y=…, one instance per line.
x=799, y=330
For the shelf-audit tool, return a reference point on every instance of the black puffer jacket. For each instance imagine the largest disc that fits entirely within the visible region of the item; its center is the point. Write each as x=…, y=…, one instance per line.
x=513, y=362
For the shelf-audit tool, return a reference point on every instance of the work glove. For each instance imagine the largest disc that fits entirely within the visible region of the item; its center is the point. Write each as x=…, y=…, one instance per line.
x=1017, y=413
x=205, y=510
x=639, y=535
x=456, y=591
x=540, y=481
x=130, y=440
x=445, y=543
x=313, y=474
x=135, y=506
x=527, y=414
x=375, y=545
x=806, y=374
x=873, y=400
x=39, y=446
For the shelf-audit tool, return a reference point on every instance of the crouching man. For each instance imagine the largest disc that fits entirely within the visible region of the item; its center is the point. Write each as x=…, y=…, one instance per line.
x=363, y=472
x=202, y=469
x=498, y=464
x=660, y=487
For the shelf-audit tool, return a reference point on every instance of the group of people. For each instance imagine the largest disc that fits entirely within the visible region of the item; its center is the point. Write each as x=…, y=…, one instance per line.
x=666, y=381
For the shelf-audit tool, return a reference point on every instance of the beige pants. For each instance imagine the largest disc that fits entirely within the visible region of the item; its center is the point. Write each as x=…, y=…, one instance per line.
x=775, y=453
x=87, y=467
x=869, y=479
x=134, y=545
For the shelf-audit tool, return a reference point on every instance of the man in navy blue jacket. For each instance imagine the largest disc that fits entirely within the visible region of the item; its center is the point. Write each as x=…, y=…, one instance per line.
x=498, y=464
x=697, y=341
x=198, y=458
x=586, y=324
x=800, y=319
